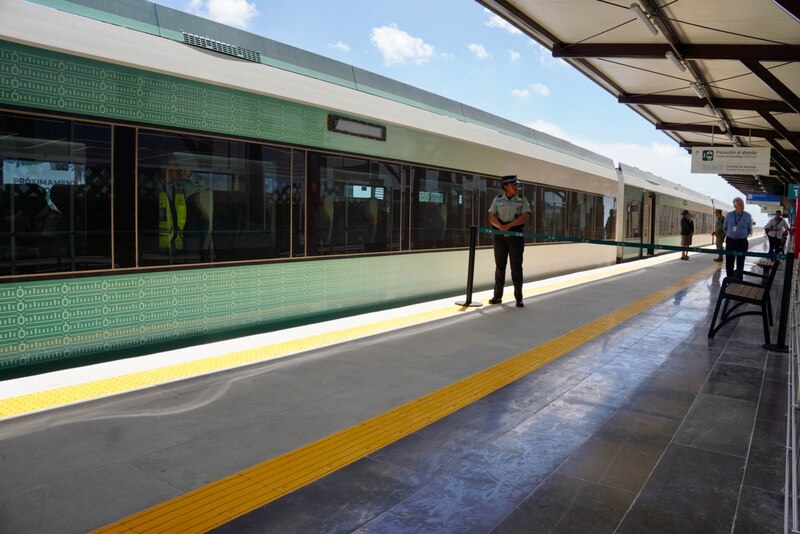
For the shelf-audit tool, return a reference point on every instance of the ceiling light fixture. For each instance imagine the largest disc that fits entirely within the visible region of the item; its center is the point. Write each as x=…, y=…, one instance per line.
x=698, y=90
x=710, y=109
x=723, y=128
x=675, y=61
x=637, y=10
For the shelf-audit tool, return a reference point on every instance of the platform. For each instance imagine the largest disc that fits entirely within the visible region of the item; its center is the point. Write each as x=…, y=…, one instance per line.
x=597, y=408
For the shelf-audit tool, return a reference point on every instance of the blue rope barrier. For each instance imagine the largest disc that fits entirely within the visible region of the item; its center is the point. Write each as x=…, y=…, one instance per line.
x=561, y=238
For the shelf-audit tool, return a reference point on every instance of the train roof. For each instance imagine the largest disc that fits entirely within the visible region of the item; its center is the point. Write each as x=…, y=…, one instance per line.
x=161, y=21
x=649, y=181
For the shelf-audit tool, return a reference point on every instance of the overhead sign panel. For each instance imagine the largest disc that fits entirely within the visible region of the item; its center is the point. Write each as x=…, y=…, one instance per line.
x=794, y=191
x=761, y=198
x=730, y=160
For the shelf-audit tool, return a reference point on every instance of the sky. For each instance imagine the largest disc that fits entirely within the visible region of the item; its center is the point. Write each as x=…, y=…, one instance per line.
x=460, y=50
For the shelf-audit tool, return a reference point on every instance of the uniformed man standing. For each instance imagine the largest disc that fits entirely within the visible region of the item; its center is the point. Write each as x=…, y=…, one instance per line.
x=508, y=212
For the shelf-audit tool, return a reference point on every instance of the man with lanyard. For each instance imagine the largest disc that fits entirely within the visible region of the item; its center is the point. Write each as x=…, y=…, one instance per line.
x=776, y=228
x=738, y=227
x=508, y=212
x=719, y=232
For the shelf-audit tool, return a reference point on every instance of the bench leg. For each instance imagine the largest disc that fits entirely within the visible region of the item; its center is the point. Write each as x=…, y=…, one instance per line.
x=711, y=330
x=769, y=310
x=765, y=320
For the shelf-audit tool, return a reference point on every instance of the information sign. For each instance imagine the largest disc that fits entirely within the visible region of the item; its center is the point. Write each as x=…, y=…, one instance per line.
x=730, y=160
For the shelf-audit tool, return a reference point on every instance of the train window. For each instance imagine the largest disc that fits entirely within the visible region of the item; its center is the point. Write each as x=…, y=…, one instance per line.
x=55, y=195
x=551, y=211
x=204, y=200
x=486, y=188
x=633, y=219
x=609, y=230
x=352, y=205
x=441, y=208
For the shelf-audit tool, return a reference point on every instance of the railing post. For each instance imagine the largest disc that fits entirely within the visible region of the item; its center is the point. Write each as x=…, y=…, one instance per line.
x=781, y=346
x=473, y=238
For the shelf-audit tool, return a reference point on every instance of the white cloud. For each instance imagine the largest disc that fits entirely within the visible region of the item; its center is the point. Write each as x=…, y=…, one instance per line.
x=479, y=50
x=666, y=160
x=538, y=88
x=545, y=56
x=397, y=46
x=513, y=55
x=237, y=13
x=338, y=45
x=496, y=21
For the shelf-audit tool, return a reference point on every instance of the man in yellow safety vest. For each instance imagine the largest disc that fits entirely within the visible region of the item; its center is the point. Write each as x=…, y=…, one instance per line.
x=172, y=209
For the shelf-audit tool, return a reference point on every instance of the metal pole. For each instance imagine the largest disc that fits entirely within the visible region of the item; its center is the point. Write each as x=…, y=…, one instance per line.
x=473, y=238
x=781, y=346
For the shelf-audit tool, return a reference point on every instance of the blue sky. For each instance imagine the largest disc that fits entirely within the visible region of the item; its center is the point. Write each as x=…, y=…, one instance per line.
x=458, y=49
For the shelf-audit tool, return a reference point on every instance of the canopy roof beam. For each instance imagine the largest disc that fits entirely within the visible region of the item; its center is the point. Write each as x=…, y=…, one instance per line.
x=774, y=83
x=694, y=102
x=792, y=137
x=687, y=51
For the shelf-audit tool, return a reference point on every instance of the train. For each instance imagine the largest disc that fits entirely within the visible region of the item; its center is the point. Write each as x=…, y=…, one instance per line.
x=168, y=180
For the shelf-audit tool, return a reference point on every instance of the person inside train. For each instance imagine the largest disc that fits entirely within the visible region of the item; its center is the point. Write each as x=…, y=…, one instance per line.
x=611, y=224
x=738, y=227
x=719, y=233
x=687, y=231
x=186, y=207
x=508, y=212
x=776, y=229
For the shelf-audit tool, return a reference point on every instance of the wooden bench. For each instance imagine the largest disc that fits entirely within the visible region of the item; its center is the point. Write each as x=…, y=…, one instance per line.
x=740, y=292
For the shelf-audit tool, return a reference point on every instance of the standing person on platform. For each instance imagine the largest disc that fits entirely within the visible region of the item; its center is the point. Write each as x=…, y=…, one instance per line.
x=687, y=231
x=738, y=227
x=508, y=212
x=776, y=228
x=719, y=233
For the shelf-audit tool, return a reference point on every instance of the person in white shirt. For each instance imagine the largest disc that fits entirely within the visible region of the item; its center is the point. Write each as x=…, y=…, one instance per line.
x=776, y=228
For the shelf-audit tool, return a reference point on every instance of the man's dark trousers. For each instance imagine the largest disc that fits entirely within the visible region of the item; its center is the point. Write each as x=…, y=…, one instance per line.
x=739, y=245
x=506, y=248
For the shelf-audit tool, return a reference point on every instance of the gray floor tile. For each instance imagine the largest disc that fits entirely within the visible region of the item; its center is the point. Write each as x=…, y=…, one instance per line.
x=341, y=502
x=719, y=424
x=564, y=504
x=735, y=381
x=690, y=491
x=111, y=492
x=773, y=403
x=760, y=512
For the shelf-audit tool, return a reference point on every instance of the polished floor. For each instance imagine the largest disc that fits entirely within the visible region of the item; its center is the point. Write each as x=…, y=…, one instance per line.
x=650, y=427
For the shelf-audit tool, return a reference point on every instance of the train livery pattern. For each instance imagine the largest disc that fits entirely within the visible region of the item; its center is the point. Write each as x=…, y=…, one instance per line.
x=59, y=317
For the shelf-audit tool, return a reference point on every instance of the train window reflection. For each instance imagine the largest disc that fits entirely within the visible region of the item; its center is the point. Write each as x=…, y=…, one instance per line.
x=55, y=195
x=442, y=209
x=207, y=200
x=353, y=205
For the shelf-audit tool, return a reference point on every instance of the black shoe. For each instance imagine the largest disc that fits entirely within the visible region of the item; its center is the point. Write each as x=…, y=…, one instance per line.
x=717, y=259
x=520, y=304
x=495, y=300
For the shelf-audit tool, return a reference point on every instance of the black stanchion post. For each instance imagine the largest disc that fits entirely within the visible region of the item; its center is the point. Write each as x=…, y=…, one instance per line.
x=781, y=346
x=473, y=238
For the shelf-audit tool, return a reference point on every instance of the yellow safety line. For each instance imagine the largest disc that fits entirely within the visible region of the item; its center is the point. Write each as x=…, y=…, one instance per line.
x=62, y=396
x=228, y=498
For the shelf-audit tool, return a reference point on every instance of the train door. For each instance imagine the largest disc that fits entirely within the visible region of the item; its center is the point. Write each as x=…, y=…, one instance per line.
x=648, y=221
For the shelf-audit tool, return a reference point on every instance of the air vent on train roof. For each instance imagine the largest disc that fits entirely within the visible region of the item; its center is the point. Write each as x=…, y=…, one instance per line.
x=222, y=48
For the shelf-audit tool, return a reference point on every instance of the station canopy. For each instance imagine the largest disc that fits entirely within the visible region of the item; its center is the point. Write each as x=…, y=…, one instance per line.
x=710, y=72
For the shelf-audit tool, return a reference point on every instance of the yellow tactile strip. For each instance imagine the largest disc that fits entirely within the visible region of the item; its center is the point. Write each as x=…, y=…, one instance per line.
x=119, y=384
x=62, y=396
x=226, y=499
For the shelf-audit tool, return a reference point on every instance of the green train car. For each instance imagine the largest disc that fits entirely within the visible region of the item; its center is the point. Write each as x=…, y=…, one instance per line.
x=167, y=180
